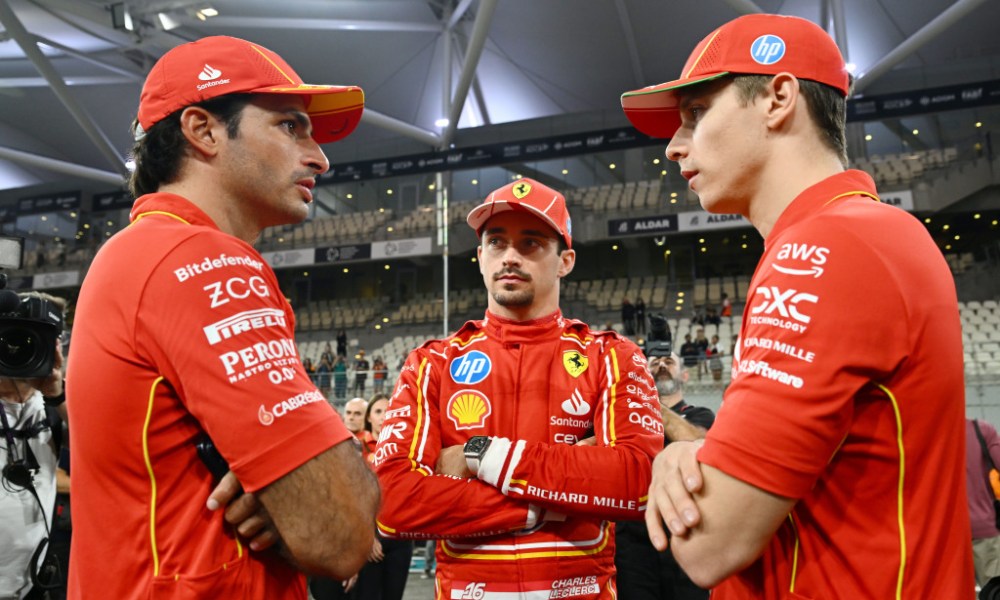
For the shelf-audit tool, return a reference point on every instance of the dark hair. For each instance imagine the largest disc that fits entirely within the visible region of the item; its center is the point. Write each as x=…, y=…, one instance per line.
x=827, y=107
x=368, y=411
x=157, y=154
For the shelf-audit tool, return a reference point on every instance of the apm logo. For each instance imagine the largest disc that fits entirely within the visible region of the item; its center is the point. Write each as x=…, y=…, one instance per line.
x=767, y=49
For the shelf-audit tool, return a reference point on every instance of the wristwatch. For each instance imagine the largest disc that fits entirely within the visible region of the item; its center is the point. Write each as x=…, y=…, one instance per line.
x=475, y=449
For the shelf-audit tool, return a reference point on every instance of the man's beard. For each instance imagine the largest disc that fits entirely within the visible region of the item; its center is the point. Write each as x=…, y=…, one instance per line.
x=668, y=386
x=513, y=298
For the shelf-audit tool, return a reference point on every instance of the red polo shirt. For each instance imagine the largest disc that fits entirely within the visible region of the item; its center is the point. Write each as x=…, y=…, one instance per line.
x=181, y=330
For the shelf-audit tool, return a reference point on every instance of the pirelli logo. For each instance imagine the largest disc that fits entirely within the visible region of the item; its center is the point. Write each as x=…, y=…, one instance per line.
x=242, y=322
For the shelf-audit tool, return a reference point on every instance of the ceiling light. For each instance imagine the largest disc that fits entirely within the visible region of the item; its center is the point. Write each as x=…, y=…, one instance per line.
x=868, y=137
x=611, y=166
x=979, y=123
x=565, y=171
x=916, y=132
x=851, y=68
x=166, y=22
x=209, y=12
x=656, y=161
x=442, y=122
x=475, y=182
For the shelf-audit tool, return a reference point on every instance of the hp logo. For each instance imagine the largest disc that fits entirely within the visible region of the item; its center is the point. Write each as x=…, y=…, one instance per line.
x=767, y=49
x=470, y=368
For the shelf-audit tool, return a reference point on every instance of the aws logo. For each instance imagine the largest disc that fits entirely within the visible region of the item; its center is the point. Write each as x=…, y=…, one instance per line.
x=815, y=255
x=574, y=362
x=468, y=409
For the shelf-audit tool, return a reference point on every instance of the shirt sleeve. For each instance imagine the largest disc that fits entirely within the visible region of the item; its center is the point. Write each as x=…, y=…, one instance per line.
x=809, y=344
x=214, y=322
x=609, y=480
x=992, y=441
x=421, y=503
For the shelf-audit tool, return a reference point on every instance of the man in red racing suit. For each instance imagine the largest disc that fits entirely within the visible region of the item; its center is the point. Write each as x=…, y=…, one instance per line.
x=481, y=446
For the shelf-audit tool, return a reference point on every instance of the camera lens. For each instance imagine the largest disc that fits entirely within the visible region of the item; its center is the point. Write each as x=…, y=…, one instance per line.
x=18, y=347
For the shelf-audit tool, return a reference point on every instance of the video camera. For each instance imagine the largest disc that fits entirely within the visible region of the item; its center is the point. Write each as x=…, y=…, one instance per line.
x=29, y=326
x=659, y=342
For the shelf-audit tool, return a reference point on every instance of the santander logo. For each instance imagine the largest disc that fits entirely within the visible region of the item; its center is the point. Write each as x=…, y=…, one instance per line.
x=575, y=405
x=209, y=73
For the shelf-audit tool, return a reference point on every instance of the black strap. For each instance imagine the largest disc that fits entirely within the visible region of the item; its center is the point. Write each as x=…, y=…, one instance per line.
x=982, y=444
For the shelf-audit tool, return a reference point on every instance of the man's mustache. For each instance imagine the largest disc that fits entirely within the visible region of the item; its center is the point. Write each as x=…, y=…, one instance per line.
x=514, y=272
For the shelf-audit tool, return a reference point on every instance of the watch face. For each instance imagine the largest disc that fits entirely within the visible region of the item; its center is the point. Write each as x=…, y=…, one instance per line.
x=476, y=445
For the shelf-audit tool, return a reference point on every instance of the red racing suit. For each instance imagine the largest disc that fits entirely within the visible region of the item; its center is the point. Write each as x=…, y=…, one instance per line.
x=537, y=521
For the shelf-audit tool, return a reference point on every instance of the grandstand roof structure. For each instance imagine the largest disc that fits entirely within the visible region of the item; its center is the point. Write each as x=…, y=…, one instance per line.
x=71, y=70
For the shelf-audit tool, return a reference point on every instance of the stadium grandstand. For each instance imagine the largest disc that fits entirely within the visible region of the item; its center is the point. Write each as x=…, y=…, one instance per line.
x=464, y=96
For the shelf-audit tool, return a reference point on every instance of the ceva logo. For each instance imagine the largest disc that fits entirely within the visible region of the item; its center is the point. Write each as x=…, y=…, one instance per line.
x=209, y=73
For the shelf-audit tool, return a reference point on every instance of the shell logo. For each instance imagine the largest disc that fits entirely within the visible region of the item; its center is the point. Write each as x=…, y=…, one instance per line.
x=468, y=409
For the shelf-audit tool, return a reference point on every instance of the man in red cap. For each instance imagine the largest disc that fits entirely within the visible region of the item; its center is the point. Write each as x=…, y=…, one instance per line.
x=831, y=472
x=480, y=446
x=183, y=341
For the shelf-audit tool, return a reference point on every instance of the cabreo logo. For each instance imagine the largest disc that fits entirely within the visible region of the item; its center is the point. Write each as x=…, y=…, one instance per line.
x=468, y=409
x=267, y=417
x=471, y=368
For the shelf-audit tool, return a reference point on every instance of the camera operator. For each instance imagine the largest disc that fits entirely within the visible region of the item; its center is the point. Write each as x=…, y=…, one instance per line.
x=33, y=412
x=644, y=573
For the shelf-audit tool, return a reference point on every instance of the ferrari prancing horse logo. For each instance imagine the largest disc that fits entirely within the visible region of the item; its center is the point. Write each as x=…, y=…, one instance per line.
x=575, y=362
x=521, y=190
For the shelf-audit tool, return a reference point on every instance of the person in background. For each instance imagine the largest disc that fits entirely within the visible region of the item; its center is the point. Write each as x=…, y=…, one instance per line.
x=640, y=316
x=355, y=410
x=980, y=492
x=340, y=377
x=361, y=367
x=185, y=356
x=327, y=354
x=727, y=306
x=379, y=373
x=628, y=316
x=813, y=482
x=32, y=411
x=645, y=573
x=714, y=355
x=342, y=343
x=385, y=575
x=322, y=376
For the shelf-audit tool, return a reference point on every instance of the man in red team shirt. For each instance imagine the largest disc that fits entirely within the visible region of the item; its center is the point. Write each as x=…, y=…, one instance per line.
x=182, y=334
x=479, y=445
x=816, y=480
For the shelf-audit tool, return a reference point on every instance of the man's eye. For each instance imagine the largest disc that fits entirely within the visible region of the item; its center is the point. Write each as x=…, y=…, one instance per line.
x=290, y=125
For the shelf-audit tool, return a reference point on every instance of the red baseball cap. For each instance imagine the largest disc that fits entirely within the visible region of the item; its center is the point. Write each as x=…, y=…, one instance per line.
x=530, y=196
x=220, y=65
x=755, y=44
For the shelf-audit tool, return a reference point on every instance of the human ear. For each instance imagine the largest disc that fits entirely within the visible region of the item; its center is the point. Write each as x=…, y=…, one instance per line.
x=567, y=260
x=781, y=99
x=202, y=130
